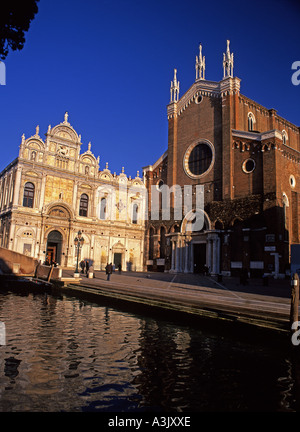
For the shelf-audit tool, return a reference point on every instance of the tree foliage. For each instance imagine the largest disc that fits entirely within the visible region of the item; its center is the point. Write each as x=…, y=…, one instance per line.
x=15, y=19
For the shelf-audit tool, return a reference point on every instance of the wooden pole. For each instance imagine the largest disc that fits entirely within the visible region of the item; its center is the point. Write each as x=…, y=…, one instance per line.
x=294, y=299
x=50, y=273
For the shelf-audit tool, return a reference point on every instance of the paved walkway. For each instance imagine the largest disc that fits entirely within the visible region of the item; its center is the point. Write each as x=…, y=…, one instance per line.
x=268, y=306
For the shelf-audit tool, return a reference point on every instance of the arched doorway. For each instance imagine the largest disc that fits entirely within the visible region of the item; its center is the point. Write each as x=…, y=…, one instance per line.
x=118, y=251
x=54, y=247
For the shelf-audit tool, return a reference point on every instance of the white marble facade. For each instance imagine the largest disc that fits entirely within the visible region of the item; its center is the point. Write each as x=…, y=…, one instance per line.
x=52, y=190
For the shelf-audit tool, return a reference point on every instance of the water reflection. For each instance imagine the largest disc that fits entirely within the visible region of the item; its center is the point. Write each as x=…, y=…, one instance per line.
x=11, y=367
x=63, y=354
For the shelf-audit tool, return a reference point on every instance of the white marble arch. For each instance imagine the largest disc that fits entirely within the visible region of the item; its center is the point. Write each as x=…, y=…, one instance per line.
x=183, y=243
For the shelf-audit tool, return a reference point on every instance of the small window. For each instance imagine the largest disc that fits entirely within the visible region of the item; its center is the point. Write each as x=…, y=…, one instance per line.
x=159, y=185
x=103, y=209
x=292, y=181
x=28, y=197
x=83, y=207
x=27, y=249
x=198, y=99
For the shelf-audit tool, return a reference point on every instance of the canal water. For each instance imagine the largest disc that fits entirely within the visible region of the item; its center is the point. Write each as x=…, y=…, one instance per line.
x=63, y=354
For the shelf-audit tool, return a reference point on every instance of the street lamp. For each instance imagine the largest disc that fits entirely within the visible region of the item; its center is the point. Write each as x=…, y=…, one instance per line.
x=78, y=242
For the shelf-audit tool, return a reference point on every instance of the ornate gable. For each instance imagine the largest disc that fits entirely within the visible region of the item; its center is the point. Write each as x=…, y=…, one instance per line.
x=33, y=147
x=64, y=132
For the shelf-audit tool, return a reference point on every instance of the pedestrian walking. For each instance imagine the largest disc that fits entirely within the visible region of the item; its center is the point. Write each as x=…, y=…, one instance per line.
x=108, y=270
x=87, y=266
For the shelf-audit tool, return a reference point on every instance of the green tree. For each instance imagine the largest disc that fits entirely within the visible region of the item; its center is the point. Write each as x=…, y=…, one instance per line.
x=15, y=19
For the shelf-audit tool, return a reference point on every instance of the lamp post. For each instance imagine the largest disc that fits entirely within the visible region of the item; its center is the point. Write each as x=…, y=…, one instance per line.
x=78, y=242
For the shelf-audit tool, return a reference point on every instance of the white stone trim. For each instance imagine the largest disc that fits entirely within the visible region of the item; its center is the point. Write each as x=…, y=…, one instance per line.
x=256, y=136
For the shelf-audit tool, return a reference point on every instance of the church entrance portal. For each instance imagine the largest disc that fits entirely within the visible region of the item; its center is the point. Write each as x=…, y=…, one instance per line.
x=117, y=259
x=54, y=247
x=199, y=257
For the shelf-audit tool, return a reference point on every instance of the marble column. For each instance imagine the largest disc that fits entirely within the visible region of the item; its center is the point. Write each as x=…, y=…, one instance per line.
x=17, y=186
x=186, y=249
x=42, y=194
x=11, y=240
x=180, y=244
x=95, y=203
x=276, y=264
x=218, y=255
x=92, y=249
x=214, y=256
x=208, y=254
x=75, y=196
x=176, y=256
x=173, y=256
x=9, y=200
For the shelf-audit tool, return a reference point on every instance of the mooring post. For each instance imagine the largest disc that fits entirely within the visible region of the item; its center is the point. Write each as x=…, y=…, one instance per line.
x=50, y=272
x=294, y=300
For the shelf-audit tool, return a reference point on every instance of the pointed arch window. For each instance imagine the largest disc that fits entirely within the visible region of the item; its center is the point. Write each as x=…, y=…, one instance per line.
x=151, y=243
x=28, y=197
x=284, y=137
x=135, y=210
x=251, y=122
x=83, y=206
x=103, y=208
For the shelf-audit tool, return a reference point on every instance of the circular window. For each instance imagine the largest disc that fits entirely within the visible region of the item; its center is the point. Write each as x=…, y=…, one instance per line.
x=198, y=99
x=198, y=159
x=248, y=166
x=292, y=181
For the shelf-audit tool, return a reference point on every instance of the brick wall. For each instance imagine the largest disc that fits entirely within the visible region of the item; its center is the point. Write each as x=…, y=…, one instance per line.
x=198, y=121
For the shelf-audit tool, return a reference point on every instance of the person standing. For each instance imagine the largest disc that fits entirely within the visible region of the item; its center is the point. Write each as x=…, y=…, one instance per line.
x=82, y=265
x=87, y=266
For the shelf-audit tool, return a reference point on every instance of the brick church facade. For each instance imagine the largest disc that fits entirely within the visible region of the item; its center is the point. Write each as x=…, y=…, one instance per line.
x=246, y=158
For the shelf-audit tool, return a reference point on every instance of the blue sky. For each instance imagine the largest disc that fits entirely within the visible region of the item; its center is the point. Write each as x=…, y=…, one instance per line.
x=109, y=63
